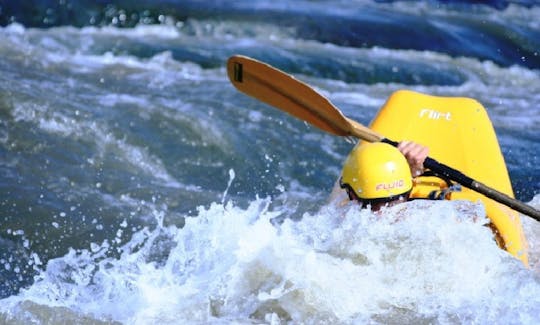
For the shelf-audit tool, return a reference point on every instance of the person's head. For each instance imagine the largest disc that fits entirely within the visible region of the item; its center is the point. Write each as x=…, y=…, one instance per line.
x=376, y=174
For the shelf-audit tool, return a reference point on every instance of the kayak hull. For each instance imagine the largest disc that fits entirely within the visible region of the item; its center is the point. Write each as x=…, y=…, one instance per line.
x=459, y=133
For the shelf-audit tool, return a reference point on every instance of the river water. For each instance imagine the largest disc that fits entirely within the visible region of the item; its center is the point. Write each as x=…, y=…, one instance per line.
x=137, y=186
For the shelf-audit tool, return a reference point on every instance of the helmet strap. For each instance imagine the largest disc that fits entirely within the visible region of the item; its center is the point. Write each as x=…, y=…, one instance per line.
x=350, y=192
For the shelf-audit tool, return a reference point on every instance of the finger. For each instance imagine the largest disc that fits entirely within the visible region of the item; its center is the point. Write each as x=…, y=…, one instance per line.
x=410, y=150
x=413, y=151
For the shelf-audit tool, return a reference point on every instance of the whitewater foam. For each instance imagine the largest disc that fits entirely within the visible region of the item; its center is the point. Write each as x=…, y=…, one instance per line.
x=424, y=261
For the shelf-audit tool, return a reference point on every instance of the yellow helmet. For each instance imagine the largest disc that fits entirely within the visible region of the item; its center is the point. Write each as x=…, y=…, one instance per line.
x=376, y=171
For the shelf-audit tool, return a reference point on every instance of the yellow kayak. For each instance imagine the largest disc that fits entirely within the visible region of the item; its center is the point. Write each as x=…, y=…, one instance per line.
x=458, y=131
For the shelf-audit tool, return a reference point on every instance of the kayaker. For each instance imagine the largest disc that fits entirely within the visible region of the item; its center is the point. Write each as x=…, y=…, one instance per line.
x=378, y=174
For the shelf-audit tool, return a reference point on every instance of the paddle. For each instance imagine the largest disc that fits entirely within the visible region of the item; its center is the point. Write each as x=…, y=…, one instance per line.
x=281, y=90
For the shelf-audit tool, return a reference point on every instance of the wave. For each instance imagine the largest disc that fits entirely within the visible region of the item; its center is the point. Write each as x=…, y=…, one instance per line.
x=503, y=37
x=341, y=266
x=156, y=71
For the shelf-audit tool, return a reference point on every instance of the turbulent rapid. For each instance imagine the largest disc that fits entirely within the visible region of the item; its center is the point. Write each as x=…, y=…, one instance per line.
x=137, y=186
x=229, y=264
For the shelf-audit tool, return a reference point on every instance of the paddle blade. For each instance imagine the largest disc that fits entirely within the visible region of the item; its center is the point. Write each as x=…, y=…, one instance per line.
x=278, y=89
